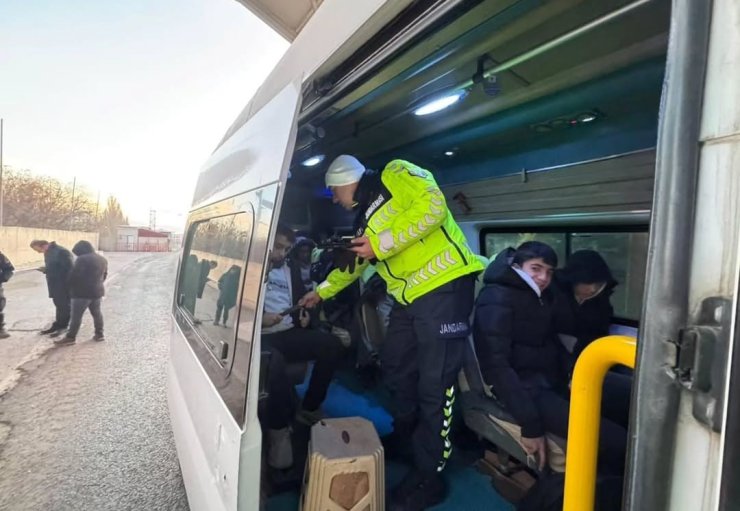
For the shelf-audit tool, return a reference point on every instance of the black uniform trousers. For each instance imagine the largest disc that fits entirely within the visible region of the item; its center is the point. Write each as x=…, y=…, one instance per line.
x=421, y=358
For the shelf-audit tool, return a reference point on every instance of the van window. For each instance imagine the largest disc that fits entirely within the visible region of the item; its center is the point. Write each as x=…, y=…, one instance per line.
x=624, y=250
x=210, y=280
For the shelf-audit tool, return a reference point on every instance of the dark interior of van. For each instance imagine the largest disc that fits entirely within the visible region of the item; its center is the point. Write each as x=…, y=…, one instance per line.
x=539, y=121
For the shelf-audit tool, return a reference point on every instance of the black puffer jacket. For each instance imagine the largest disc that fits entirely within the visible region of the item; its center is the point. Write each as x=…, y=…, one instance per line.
x=58, y=261
x=591, y=319
x=89, y=272
x=515, y=343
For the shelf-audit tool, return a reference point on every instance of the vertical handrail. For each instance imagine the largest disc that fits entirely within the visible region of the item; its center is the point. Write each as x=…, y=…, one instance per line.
x=585, y=416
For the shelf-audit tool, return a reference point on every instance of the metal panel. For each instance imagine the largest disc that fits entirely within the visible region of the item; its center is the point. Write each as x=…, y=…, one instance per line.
x=286, y=17
x=614, y=185
x=666, y=304
x=254, y=156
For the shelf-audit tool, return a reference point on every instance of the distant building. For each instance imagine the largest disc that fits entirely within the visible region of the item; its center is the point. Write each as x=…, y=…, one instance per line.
x=141, y=239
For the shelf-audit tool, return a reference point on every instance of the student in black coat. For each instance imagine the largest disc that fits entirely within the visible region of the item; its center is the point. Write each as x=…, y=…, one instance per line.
x=520, y=355
x=583, y=289
x=583, y=313
x=57, y=265
x=87, y=288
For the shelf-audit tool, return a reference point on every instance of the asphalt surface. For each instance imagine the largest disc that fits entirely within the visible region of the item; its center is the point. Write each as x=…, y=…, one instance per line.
x=87, y=427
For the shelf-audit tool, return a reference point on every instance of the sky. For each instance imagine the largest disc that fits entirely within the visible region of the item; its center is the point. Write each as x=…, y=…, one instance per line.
x=128, y=98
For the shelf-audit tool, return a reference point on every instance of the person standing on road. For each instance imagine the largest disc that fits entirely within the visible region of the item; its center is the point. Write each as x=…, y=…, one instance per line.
x=6, y=271
x=228, y=288
x=86, y=288
x=57, y=265
x=404, y=227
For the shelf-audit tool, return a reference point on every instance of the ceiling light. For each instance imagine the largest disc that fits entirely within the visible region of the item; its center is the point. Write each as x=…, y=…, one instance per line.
x=439, y=103
x=587, y=117
x=449, y=153
x=313, y=160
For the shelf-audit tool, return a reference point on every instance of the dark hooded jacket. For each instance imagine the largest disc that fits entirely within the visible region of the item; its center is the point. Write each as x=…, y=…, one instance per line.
x=88, y=273
x=228, y=286
x=58, y=262
x=591, y=319
x=6, y=269
x=515, y=342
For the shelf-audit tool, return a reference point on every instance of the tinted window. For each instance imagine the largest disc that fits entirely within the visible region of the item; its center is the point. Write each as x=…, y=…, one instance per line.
x=210, y=280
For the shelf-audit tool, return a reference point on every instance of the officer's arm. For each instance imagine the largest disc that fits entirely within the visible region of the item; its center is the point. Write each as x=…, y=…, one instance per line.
x=423, y=209
x=338, y=280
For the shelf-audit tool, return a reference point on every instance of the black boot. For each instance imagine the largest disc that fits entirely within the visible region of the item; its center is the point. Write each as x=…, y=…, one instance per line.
x=418, y=491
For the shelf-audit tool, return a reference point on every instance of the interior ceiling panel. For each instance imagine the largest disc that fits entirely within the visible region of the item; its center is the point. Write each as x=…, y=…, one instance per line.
x=286, y=17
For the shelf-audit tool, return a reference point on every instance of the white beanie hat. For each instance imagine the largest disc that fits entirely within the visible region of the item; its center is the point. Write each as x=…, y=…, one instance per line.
x=344, y=170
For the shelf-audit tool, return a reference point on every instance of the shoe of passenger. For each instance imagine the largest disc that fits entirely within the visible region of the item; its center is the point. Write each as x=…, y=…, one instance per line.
x=50, y=330
x=417, y=492
x=57, y=333
x=4, y=334
x=215, y=322
x=98, y=338
x=280, y=449
x=309, y=417
x=65, y=341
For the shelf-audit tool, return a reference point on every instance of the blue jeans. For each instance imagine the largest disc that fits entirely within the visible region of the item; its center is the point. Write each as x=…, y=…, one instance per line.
x=79, y=305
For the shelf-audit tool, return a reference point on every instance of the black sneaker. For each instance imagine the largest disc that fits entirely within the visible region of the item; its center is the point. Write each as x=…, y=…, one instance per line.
x=417, y=492
x=57, y=333
x=98, y=338
x=65, y=341
x=50, y=330
x=4, y=334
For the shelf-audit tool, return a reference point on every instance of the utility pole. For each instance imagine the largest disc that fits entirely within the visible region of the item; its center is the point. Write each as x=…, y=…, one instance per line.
x=97, y=206
x=1, y=172
x=152, y=219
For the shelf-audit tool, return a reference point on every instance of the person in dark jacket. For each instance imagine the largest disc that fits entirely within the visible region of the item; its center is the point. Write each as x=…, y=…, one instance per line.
x=57, y=265
x=583, y=289
x=583, y=313
x=6, y=271
x=228, y=287
x=205, y=269
x=86, y=288
x=520, y=355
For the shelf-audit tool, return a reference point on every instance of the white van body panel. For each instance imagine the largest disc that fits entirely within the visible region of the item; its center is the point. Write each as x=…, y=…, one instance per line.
x=715, y=272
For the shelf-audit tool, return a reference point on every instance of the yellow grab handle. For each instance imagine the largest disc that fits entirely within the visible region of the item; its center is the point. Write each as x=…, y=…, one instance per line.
x=585, y=416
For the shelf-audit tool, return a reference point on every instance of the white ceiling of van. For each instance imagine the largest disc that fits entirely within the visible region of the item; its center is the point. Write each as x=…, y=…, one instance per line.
x=287, y=17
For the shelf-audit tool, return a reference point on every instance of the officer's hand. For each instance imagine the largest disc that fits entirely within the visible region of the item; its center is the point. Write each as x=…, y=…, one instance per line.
x=271, y=319
x=536, y=447
x=310, y=300
x=362, y=247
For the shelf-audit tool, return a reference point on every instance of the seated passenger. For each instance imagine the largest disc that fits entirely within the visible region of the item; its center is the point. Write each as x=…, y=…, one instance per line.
x=521, y=358
x=294, y=340
x=583, y=312
x=582, y=307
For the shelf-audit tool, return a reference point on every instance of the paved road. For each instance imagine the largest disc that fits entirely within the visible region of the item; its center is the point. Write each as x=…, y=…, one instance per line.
x=87, y=428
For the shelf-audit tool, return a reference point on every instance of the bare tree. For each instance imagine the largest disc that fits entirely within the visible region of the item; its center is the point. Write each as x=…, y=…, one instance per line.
x=45, y=202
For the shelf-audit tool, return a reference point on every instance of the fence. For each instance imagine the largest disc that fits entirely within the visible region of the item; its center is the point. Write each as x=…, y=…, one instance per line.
x=15, y=243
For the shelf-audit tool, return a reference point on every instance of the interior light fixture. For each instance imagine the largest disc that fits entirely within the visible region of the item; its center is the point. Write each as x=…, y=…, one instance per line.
x=449, y=153
x=587, y=117
x=313, y=160
x=439, y=103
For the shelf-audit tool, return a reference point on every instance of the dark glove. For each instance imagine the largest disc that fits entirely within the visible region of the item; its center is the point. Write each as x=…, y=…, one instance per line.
x=346, y=260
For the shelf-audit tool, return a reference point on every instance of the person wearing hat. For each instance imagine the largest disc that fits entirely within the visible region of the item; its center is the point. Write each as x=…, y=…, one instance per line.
x=404, y=228
x=583, y=290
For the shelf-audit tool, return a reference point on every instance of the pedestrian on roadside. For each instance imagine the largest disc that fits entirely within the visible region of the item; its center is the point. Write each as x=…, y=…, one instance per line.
x=86, y=288
x=6, y=271
x=57, y=265
x=228, y=287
